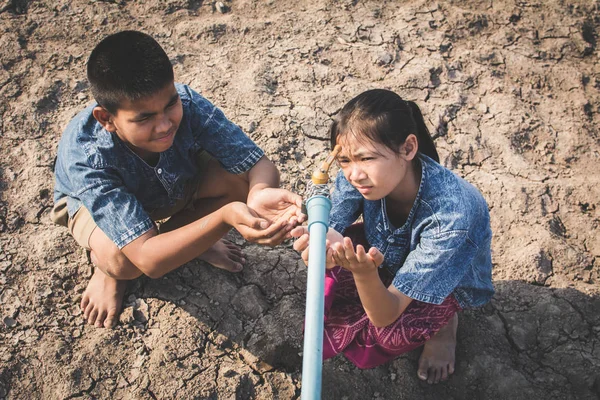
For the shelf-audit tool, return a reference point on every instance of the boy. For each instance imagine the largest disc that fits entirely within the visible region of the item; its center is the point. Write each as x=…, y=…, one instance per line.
x=148, y=150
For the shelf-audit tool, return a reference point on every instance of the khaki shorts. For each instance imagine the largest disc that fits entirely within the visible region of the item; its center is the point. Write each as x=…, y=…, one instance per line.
x=81, y=225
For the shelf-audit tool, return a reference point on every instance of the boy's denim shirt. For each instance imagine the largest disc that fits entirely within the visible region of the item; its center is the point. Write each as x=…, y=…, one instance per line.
x=444, y=246
x=94, y=168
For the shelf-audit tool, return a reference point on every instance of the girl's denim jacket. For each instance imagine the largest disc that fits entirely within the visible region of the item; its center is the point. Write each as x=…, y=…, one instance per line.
x=94, y=168
x=444, y=246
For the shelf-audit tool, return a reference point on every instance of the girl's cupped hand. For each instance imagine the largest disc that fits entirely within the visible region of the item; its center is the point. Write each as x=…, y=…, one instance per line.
x=302, y=241
x=356, y=261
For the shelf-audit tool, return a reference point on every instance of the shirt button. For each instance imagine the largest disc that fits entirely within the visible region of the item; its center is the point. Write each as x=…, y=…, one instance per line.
x=159, y=170
x=390, y=240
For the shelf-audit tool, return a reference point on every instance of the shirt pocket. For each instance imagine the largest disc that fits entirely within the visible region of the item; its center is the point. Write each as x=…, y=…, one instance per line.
x=393, y=247
x=395, y=255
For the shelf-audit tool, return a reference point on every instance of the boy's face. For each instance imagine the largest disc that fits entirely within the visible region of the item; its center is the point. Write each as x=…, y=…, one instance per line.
x=148, y=125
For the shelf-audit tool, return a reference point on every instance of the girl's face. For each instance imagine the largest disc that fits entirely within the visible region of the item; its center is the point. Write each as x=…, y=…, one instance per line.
x=373, y=169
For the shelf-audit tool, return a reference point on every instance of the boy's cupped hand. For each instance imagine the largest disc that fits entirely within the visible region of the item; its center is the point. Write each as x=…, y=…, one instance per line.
x=253, y=227
x=278, y=206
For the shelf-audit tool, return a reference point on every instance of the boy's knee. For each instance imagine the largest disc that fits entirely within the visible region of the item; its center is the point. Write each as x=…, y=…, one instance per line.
x=116, y=265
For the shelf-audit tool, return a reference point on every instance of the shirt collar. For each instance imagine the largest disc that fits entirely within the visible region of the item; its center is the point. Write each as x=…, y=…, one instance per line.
x=424, y=161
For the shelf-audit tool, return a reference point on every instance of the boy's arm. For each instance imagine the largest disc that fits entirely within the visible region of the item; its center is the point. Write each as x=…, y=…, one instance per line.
x=225, y=141
x=262, y=175
x=155, y=255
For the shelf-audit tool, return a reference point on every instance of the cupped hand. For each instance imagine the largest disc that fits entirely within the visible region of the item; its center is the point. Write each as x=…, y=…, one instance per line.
x=302, y=241
x=277, y=206
x=253, y=227
x=356, y=261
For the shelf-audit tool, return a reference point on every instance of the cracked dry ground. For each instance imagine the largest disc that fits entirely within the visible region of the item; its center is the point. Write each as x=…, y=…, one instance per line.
x=510, y=92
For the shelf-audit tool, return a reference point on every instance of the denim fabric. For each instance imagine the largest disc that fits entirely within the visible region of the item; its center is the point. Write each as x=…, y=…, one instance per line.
x=443, y=247
x=94, y=168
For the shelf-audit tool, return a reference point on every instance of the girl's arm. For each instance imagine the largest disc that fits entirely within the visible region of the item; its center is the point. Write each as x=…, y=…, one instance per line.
x=382, y=305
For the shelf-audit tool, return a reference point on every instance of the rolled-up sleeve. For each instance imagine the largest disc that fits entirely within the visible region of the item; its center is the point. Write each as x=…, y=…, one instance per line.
x=346, y=204
x=116, y=211
x=220, y=137
x=436, y=266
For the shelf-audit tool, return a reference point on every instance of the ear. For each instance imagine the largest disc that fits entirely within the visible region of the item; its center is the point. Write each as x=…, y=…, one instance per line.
x=410, y=147
x=105, y=118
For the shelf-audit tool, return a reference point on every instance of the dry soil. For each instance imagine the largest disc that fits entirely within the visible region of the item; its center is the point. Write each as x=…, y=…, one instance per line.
x=510, y=91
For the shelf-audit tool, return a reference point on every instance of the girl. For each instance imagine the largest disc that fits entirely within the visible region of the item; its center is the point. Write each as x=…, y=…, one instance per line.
x=397, y=280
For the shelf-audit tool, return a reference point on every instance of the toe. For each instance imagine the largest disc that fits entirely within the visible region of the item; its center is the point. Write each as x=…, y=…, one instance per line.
x=88, y=309
x=233, y=249
x=237, y=253
x=92, y=317
x=110, y=320
x=231, y=245
x=85, y=300
x=422, y=371
x=238, y=259
x=444, y=373
x=100, y=319
x=451, y=368
x=237, y=267
x=437, y=375
x=430, y=375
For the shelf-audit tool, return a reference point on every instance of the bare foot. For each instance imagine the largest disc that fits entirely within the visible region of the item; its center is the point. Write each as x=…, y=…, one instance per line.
x=437, y=359
x=225, y=255
x=102, y=300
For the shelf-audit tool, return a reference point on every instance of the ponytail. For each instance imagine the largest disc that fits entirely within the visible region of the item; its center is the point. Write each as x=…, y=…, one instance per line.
x=426, y=145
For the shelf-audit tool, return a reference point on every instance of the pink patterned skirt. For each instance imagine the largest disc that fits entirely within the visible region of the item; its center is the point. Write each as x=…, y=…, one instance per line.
x=349, y=331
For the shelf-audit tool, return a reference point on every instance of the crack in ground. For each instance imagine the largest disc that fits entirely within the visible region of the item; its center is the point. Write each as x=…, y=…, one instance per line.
x=150, y=392
x=576, y=308
x=268, y=271
x=195, y=374
x=542, y=365
x=507, y=331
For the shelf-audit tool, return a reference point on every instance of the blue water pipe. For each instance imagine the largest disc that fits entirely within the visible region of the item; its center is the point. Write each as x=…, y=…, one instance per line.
x=318, y=208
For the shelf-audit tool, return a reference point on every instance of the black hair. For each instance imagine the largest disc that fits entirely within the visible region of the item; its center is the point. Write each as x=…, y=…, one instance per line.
x=127, y=65
x=383, y=117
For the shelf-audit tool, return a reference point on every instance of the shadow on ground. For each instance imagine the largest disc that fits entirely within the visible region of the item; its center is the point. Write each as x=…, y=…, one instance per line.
x=530, y=342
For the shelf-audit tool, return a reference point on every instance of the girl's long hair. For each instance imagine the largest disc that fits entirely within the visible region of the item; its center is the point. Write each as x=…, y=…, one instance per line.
x=383, y=117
